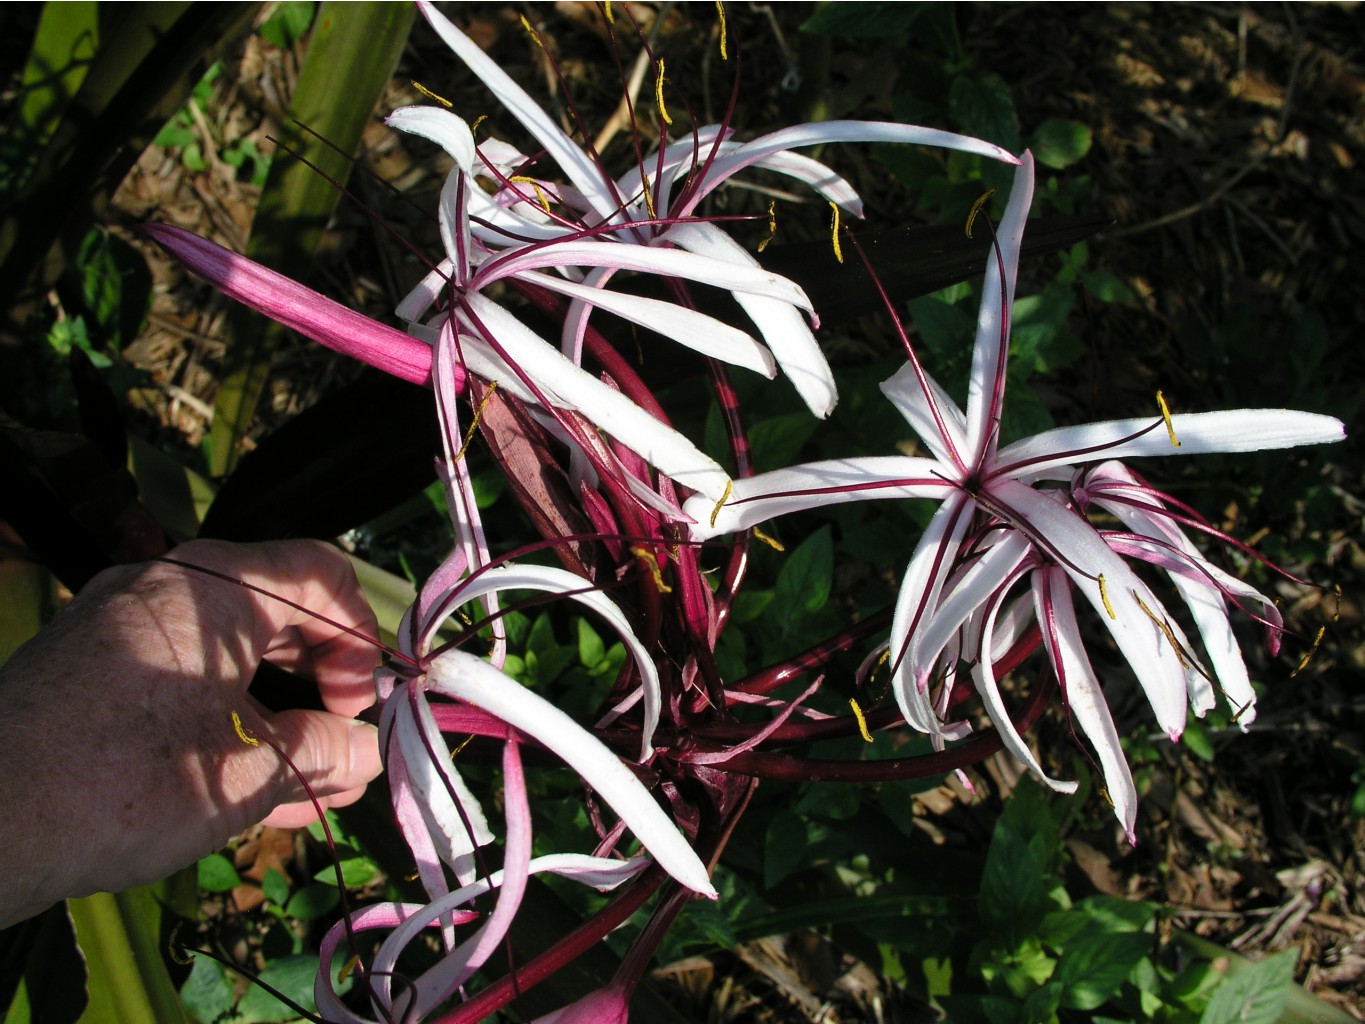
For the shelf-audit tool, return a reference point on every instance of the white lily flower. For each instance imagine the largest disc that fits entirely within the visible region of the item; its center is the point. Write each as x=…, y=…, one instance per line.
x=996, y=526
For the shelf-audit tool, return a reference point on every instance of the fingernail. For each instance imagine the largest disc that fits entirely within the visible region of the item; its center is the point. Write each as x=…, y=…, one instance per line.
x=365, y=761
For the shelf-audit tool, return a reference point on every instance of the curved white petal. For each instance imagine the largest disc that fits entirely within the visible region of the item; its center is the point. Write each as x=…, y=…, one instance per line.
x=435, y=124
x=1082, y=552
x=1241, y=430
x=1081, y=690
x=552, y=580
x=783, y=327
x=472, y=680
x=756, y=499
x=699, y=332
x=537, y=360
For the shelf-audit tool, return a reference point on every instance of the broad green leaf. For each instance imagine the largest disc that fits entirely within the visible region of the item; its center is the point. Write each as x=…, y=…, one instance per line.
x=276, y=887
x=1092, y=969
x=355, y=872
x=804, y=581
x=293, y=977
x=1255, y=994
x=288, y=24
x=784, y=848
x=312, y=901
x=207, y=993
x=591, y=650
x=776, y=443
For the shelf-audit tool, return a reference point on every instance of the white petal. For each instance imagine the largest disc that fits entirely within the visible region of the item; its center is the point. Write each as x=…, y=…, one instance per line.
x=469, y=679
x=778, y=319
x=1241, y=430
x=1081, y=690
x=934, y=416
x=986, y=389
x=757, y=499
x=447, y=130
x=1083, y=553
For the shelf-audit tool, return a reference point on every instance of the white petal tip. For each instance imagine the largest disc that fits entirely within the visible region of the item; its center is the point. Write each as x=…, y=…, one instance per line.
x=1131, y=836
x=1175, y=732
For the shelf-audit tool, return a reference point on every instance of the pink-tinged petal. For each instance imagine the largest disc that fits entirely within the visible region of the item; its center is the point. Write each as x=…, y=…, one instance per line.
x=550, y=579
x=986, y=389
x=930, y=566
x=983, y=674
x=1199, y=433
x=1076, y=545
x=802, y=135
x=604, y=1006
x=932, y=413
x=757, y=499
x=1082, y=692
x=300, y=309
x=778, y=318
x=581, y=170
x=467, y=678
x=819, y=177
x=453, y=815
x=414, y=306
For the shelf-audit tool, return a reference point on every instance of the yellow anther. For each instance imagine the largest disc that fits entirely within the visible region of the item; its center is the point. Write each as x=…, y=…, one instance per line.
x=1166, y=418
x=349, y=967
x=531, y=32
x=772, y=225
x=521, y=179
x=652, y=564
x=1162, y=625
x=715, y=512
x=242, y=734
x=720, y=13
x=606, y=10
x=176, y=951
x=1104, y=596
x=862, y=720
x=1336, y=609
x=976, y=208
x=431, y=95
x=772, y=542
x=649, y=197
x=659, y=94
x=477, y=121
x=474, y=423
x=834, y=232
x=1317, y=642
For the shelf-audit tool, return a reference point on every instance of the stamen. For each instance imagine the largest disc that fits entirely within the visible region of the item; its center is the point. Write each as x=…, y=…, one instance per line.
x=532, y=32
x=1336, y=610
x=175, y=949
x=772, y=224
x=834, y=232
x=720, y=13
x=432, y=96
x=1165, y=628
x=1104, y=596
x=715, y=512
x=659, y=94
x=1317, y=642
x=976, y=208
x=862, y=720
x=652, y=563
x=477, y=121
x=522, y=179
x=467, y=741
x=772, y=542
x=1166, y=418
x=348, y=968
x=649, y=197
x=242, y=734
x=606, y=10
x=474, y=423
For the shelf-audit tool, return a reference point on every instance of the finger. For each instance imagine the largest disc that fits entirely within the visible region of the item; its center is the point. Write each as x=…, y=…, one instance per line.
x=337, y=756
x=309, y=609
x=304, y=814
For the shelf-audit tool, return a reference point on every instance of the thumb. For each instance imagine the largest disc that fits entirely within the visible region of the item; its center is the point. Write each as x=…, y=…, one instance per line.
x=336, y=755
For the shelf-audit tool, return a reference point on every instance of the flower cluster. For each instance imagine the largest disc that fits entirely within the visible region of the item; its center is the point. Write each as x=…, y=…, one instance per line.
x=625, y=501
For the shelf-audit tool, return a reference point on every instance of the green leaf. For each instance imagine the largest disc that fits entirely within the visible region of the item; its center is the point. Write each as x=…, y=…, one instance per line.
x=289, y=23
x=835, y=800
x=216, y=874
x=865, y=20
x=1060, y=143
x=983, y=105
x=776, y=443
x=1092, y=969
x=1255, y=995
x=355, y=872
x=276, y=887
x=293, y=976
x=207, y=993
x=1107, y=287
x=591, y=650
x=784, y=848
x=312, y=901
x=805, y=579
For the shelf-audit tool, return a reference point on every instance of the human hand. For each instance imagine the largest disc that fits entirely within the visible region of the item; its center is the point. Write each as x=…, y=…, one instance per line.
x=118, y=758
